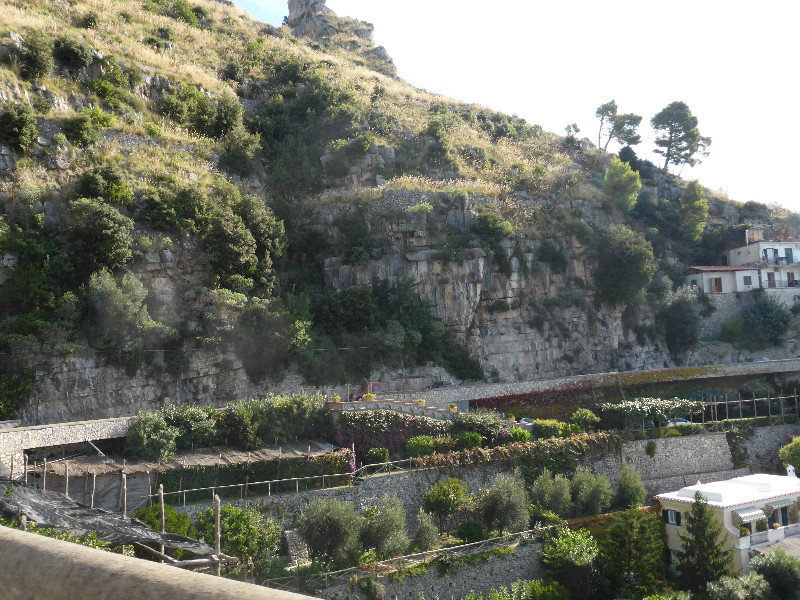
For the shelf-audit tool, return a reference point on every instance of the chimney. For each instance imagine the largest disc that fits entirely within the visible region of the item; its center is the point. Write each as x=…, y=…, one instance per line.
x=790, y=472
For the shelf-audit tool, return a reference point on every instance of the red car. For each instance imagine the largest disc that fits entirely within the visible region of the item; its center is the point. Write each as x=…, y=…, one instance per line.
x=375, y=387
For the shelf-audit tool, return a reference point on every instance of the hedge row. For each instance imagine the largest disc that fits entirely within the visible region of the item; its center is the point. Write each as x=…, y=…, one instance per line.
x=559, y=455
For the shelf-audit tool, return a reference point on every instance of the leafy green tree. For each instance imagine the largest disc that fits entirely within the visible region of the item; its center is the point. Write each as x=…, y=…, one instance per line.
x=245, y=534
x=693, y=212
x=630, y=491
x=444, y=498
x=679, y=320
x=591, y=494
x=621, y=185
x=606, y=113
x=704, y=557
x=568, y=557
x=790, y=454
x=98, y=236
x=552, y=493
x=427, y=534
x=624, y=129
x=385, y=528
x=585, y=418
x=239, y=150
x=119, y=319
x=504, y=506
x=633, y=553
x=782, y=573
x=751, y=586
x=765, y=321
x=625, y=265
x=331, y=529
x=18, y=125
x=677, y=136
x=231, y=250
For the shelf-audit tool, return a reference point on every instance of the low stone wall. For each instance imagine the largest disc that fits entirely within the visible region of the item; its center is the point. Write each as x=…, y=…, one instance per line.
x=401, y=406
x=481, y=576
x=35, y=567
x=14, y=441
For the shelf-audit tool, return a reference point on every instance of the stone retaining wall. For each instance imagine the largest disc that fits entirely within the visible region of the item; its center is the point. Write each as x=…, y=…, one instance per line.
x=481, y=576
x=14, y=441
x=678, y=461
x=762, y=448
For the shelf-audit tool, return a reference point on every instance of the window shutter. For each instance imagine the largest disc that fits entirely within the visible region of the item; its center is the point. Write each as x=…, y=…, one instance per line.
x=677, y=518
x=665, y=516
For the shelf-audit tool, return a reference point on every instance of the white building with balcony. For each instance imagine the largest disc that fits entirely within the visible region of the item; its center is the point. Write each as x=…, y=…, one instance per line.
x=770, y=266
x=757, y=512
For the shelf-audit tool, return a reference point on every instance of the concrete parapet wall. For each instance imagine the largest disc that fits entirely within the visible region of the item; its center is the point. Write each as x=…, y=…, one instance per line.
x=13, y=442
x=35, y=567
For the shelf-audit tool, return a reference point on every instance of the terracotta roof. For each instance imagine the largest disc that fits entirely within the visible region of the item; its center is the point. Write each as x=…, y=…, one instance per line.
x=722, y=268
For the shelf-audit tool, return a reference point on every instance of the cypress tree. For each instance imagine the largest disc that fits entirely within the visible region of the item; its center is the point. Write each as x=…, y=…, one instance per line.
x=704, y=557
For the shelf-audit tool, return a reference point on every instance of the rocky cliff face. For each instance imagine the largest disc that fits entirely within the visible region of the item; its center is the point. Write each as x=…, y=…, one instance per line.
x=313, y=20
x=529, y=322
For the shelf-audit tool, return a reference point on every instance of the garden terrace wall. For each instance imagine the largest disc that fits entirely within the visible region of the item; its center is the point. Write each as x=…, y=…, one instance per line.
x=588, y=389
x=482, y=574
x=196, y=469
x=678, y=461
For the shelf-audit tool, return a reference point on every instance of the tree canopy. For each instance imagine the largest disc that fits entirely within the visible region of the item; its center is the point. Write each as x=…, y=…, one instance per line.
x=625, y=265
x=677, y=136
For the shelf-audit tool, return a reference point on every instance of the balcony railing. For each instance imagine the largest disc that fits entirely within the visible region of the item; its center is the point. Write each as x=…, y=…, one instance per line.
x=759, y=537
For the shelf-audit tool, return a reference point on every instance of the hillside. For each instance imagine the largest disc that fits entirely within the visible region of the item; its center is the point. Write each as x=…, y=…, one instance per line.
x=197, y=205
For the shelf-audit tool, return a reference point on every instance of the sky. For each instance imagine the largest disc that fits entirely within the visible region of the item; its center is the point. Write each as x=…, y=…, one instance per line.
x=554, y=63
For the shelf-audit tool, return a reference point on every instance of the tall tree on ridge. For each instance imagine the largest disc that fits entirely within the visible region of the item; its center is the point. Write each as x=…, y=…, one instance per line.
x=606, y=113
x=678, y=138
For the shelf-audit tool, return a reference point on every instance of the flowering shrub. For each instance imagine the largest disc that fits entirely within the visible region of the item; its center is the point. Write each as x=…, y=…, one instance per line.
x=632, y=413
x=384, y=429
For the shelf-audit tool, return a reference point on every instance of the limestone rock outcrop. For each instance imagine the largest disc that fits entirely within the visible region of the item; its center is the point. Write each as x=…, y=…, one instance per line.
x=313, y=20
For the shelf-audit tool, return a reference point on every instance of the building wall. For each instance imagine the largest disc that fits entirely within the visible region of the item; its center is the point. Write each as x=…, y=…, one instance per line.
x=732, y=540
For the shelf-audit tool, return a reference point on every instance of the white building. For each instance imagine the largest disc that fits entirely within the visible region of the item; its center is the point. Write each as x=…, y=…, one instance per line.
x=767, y=265
x=757, y=512
x=722, y=280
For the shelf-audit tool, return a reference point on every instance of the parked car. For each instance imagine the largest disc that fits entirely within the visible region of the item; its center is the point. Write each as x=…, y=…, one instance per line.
x=678, y=421
x=442, y=384
x=794, y=283
x=526, y=420
x=376, y=387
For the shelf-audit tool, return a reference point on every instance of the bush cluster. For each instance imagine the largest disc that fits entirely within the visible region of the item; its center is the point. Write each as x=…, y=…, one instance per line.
x=18, y=125
x=244, y=424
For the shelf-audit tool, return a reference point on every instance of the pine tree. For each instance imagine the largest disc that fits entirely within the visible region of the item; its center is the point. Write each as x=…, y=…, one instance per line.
x=693, y=212
x=633, y=552
x=679, y=139
x=704, y=557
